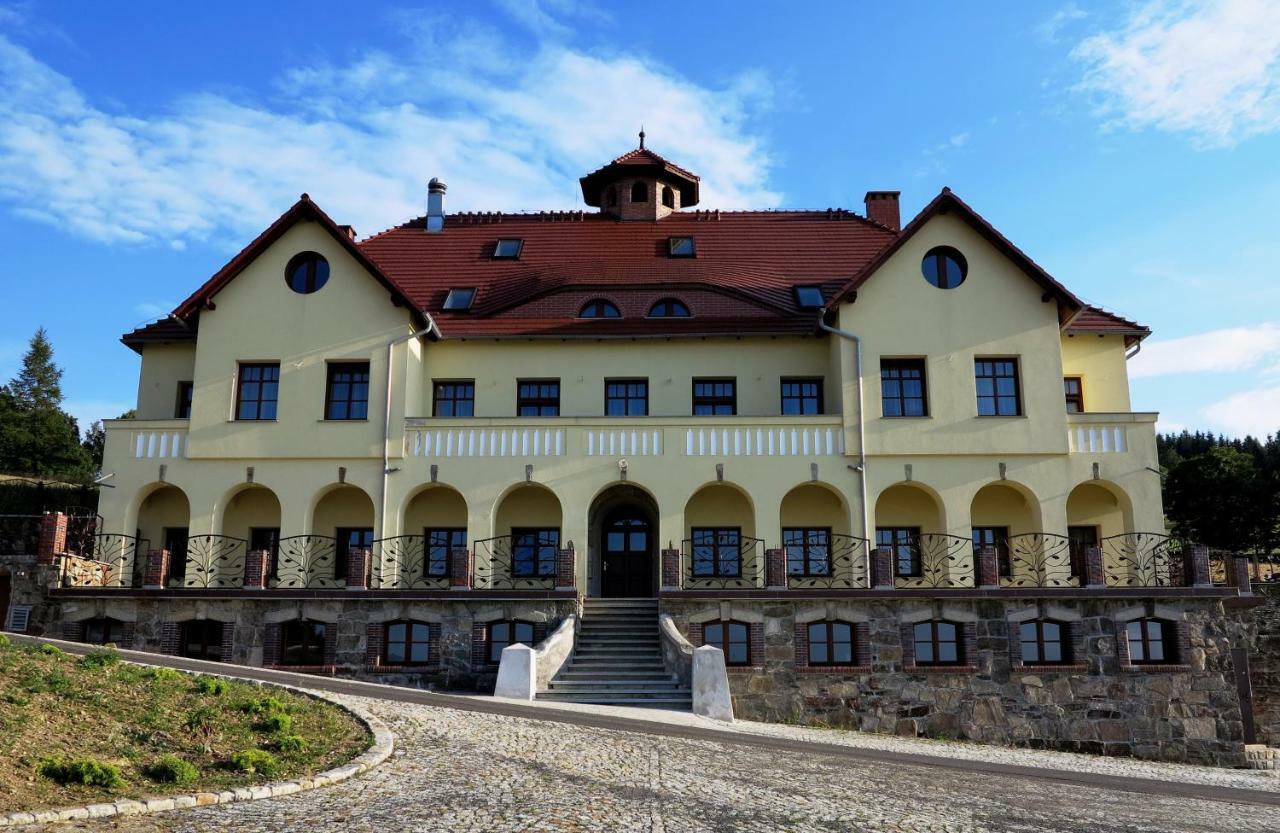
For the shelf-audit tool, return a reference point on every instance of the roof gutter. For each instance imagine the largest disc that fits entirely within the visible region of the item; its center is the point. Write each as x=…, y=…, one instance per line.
x=1137, y=348
x=861, y=468
x=386, y=412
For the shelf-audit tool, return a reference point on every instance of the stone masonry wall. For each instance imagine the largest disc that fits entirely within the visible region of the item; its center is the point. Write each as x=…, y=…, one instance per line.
x=1264, y=664
x=1099, y=704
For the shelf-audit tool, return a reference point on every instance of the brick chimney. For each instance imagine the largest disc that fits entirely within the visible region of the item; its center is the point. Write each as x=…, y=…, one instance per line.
x=882, y=208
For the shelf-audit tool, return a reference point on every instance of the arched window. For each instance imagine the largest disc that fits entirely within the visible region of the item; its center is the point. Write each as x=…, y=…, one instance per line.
x=669, y=308
x=1044, y=642
x=302, y=642
x=611, y=196
x=668, y=197
x=600, y=308
x=1152, y=642
x=937, y=643
x=640, y=192
x=407, y=642
x=732, y=638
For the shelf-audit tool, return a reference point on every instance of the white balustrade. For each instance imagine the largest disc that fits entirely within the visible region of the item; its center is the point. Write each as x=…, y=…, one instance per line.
x=159, y=444
x=764, y=441
x=484, y=442
x=1097, y=438
x=622, y=442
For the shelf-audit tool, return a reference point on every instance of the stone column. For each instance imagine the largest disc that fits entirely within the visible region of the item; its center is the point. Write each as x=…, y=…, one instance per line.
x=565, y=573
x=53, y=537
x=882, y=568
x=988, y=567
x=1093, y=573
x=775, y=569
x=155, y=576
x=1197, y=567
x=460, y=568
x=358, y=569
x=671, y=569
x=257, y=565
x=1240, y=574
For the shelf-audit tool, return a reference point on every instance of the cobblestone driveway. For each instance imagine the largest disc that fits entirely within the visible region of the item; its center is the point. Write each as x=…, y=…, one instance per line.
x=463, y=771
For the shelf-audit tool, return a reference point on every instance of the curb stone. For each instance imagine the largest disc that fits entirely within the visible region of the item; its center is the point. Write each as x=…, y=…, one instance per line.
x=383, y=746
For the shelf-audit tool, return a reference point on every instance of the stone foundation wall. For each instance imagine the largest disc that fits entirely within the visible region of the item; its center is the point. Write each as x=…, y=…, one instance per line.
x=1099, y=704
x=1264, y=664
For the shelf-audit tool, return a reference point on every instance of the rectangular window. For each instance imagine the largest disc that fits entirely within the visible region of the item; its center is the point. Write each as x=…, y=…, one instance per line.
x=302, y=642
x=997, y=537
x=538, y=397
x=347, y=391
x=1152, y=642
x=182, y=410
x=732, y=638
x=626, y=397
x=437, y=544
x=454, y=399
x=407, y=643
x=904, y=543
x=257, y=387
x=511, y=632
x=808, y=551
x=830, y=643
x=801, y=396
x=201, y=639
x=349, y=538
x=902, y=392
x=681, y=247
x=715, y=397
x=937, y=643
x=508, y=248
x=104, y=632
x=998, y=389
x=533, y=552
x=717, y=552
x=1044, y=642
x=1073, y=387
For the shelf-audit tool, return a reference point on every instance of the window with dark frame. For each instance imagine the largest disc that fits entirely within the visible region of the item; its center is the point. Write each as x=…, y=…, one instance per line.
x=998, y=388
x=996, y=537
x=508, y=248
x=454, y=398
x=808, y=551
x=347, y=391
x=904, y=544
x=902, y=388
x=668, y=197
x=257, y=388
x=201, y=639
x=459, y=299
x=306, y=273
x=640, y=192
x=406, y=642
x=1152, y=642
x=175, y=541
x=626, y=397
x=499, y=635
x=944, y=267
x=533, y=551
x=801, y=397
x=1073, y=388
x=438, y=544
x=716, y=551
x=1044, y=642
x=103, y=631
x=715, y=397
x=669, y=308
x=830, y=643
x=538, y=397
x=681, y=247
x=349, y=538
x=302, y=642
x=937, y=642
x=809, y=297
x=732, y=638
x=1080, y=539
x=267, y=538
x=182, y=408
x=599, y=308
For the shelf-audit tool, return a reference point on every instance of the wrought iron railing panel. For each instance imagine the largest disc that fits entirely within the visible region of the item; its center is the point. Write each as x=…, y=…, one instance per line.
x=306, y=561
x=845, y=567
x=1041, y=559
x=214, y=561
x=19, y=534
x=944, y=561
x=502, y=565
x=405, y=563
x=124, y=556
x=83, y=524
x=1144, y=559
x=718, y=566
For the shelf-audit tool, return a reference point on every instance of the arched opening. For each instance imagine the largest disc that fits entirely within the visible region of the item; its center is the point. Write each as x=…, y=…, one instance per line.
x=526, y=540
x=433, y=525
x=252, y=514
x=345, y=514
x=910, y=522
x=640, y=192
x=720, y=535
x=668, y=197
x=1097, y=510
x=999, y=514
x=623, y=528
x=814, y=525
x=163, y=520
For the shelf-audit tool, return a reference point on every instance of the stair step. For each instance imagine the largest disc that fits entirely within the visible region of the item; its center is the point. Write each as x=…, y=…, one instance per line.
x=659, y=682
x=685, y=703
x=587, y=676
x=614, y=665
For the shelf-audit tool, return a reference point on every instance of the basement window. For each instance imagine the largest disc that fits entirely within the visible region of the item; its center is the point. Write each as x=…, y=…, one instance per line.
x=681, y=247
x=809, y=297
x=459, y=300
x=508, y=248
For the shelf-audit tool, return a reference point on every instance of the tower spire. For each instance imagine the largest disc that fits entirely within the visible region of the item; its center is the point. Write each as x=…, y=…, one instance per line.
x=642, y=137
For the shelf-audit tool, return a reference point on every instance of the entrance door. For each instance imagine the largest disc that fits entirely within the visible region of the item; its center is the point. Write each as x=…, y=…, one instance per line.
x=626, y=560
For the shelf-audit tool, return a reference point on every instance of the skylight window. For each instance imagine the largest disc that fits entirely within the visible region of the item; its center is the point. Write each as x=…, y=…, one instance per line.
x=459, y=300
x=809, y=297
x=508, y=248
x=681, y=247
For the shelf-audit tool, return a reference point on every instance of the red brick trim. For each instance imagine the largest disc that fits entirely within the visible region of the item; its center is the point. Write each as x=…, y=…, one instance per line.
x=128, y=631
x=375, y=646
x=967, y=639
x=1049, y=668
x=73, y=631
x=404, y=669
x=1075, y=643
x=323, y=670
x=833, y=669
x=941, y=669
x=53, y=537
x=170, y=637
x=1156, y=669
x=1182, y=642
x=861, y=647
x=755, y=642
x=228, y=640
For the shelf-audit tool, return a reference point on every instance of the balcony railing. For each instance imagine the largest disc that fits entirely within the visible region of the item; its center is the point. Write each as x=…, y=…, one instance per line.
x=149, y=439
x=306, y=561
x=1042, y=559
x=516, y=563
x=1104, y=433
x=212, y=561
x=842, y=565
x=723, y=561
x=408, y=562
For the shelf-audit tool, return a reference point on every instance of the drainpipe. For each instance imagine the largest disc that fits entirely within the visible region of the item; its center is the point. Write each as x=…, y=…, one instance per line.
x=1137, y=348
x=386, y=413
x=862, y=454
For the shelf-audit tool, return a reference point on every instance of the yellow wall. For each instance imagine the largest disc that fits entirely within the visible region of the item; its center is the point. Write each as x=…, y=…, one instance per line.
x=1099, y=362
x=527, y=506
x=997, y=504
x=345, y=506
x=163, y=366
x=719, y=505
x=1092, y=504
x=165, y=508
x=436, y=507
x=812, y=505
x=255, y=506
x=908, y=505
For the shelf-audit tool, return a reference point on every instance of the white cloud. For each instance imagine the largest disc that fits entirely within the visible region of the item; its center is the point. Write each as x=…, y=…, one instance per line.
x=1052, y=26
x=1232, y=349
x=507, y=129
x=1255, y=412
x=153, y=309
x=1207, y=68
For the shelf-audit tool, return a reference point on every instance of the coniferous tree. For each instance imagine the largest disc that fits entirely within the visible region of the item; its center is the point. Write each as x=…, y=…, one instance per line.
x=37, y=437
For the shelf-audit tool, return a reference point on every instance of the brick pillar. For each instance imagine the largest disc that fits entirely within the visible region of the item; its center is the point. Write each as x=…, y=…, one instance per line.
x=155, y=575
x=775, y=569
x=53, y=538
x=358, y=569
x=565, y=575
x=1093, y=573
x=257, y=564
x=670, y=569
x=1197, y=567
x=882, y=568
x=988, y=567
x=1240, y=574
x=460, y=568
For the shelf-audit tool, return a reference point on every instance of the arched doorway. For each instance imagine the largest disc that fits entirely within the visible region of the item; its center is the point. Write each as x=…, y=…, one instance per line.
x=623, y=529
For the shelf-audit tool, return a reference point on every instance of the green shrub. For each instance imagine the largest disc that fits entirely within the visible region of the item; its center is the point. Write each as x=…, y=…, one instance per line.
x=170, y=769
x=212, y=685
x=52, y=651
x=4, y=641
x=100, y=659
x=279, y=723
x=58, y=683
x=256, y=761
x=291, y=745
x=202, y=718
x=264, y=705
x=85, y=771
x=161, y=674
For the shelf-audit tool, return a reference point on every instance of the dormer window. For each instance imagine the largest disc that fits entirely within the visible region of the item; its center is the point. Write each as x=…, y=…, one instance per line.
x=669, y=308
x=640, y=192
x=600, y=308
x=809, y=297
x=668, y=197
x=681, y=247
x=508, y=248
x=459, y=300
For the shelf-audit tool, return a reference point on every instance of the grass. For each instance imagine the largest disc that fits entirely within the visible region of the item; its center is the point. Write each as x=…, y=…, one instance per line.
x=80, y=730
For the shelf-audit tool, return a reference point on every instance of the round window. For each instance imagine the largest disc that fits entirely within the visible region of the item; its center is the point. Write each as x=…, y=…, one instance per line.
x=944, y=267
x=307, y=272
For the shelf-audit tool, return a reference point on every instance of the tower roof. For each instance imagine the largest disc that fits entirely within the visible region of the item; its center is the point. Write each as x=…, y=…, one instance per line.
x=641, y=162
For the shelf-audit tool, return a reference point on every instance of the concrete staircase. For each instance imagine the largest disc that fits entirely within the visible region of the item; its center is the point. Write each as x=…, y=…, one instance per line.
x=618, y=660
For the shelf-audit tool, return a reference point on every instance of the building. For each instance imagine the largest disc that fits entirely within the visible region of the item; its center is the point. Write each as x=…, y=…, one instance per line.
x=893, y=471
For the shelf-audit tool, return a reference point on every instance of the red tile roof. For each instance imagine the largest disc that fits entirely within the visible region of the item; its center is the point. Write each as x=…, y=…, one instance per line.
x=641, y=161
x=1097, y=320
x=159, y=332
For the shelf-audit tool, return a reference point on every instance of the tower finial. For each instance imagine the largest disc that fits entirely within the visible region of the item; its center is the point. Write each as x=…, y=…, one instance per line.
x=642, y=137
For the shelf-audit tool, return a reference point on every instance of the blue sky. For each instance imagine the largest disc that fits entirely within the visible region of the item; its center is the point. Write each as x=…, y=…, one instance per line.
x=1132, y=149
